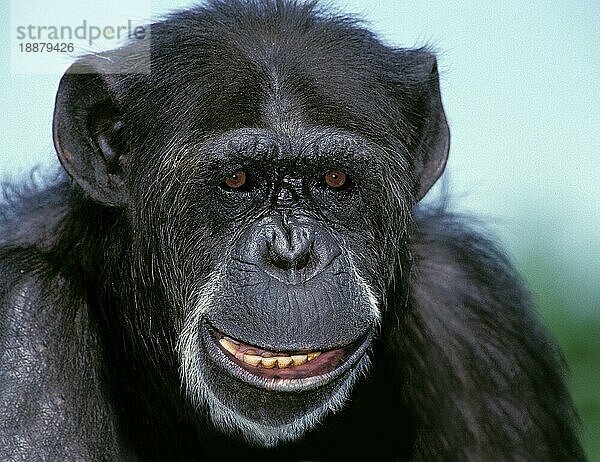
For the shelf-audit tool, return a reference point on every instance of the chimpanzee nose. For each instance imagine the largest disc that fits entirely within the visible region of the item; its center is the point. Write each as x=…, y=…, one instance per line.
x=291, y=251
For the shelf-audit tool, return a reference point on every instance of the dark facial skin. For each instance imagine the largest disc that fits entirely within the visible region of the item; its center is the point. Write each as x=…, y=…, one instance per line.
x=289, y=281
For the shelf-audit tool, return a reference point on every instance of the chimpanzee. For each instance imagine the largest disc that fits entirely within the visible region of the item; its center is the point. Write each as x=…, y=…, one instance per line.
x=238, y=267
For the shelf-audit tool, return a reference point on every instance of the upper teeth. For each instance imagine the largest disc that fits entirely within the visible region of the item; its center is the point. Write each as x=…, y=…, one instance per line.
x=267, y=359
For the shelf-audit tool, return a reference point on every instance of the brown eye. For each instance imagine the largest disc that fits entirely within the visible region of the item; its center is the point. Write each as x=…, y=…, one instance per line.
x=237, y=180
x=335, y=179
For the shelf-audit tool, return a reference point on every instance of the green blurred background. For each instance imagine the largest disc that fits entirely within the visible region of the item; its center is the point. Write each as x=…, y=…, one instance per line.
x=521, y=87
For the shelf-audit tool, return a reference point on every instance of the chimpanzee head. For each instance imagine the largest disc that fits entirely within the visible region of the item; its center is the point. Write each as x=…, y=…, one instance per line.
x=264, y=172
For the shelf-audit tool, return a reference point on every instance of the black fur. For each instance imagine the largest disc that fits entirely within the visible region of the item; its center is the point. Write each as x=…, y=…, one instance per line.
x=99, y=276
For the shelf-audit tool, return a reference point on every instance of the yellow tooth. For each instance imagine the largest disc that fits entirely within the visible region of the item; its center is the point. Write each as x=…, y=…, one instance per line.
x=298, y=360
x=283, y=362
x=229, y=345
x=313, y=355
x=253, y=360
x=269, y=363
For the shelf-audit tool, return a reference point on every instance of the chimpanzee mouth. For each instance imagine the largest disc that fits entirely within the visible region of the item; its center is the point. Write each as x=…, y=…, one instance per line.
x=286, y=371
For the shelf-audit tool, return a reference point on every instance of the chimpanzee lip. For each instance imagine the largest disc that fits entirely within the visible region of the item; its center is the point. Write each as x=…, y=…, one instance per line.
x=324, y=366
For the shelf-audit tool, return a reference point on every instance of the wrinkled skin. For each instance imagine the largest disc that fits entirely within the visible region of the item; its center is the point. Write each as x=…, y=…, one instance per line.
x=256, y=198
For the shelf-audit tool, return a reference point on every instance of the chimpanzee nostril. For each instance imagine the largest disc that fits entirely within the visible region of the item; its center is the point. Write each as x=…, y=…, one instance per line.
x=280, y=262
x=287, y=261
x=303, y=260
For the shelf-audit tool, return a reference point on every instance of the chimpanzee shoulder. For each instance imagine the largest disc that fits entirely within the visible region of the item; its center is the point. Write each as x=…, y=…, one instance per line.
x=50, y=352
x=490, y=364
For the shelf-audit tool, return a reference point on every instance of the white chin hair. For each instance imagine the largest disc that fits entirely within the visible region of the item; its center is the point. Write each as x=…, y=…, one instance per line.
x=226, y=419
x=229, y=421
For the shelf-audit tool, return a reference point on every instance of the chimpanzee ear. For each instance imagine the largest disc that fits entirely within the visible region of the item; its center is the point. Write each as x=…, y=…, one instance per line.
x=87, y=130
x=434, y=136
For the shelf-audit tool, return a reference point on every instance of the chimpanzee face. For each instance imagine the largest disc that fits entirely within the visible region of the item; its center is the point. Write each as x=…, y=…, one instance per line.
x=277, y=240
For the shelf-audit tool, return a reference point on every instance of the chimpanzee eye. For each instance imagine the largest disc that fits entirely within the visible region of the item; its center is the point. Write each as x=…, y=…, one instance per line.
x=335, y=179
x=237, y=180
